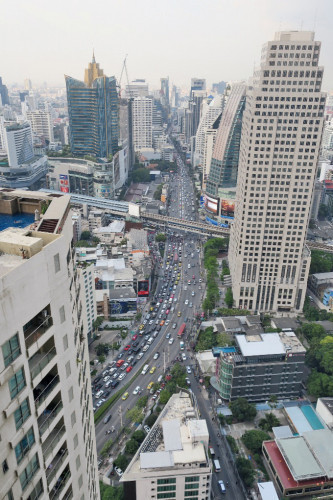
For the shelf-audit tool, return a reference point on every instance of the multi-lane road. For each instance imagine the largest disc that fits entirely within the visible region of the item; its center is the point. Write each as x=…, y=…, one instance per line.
x=186, y=303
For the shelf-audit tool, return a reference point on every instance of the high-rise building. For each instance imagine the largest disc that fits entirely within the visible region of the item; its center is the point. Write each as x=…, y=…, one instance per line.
x=137, y=88
x=142, y=109
x=219, y=87
x=4, y=99
x=19, y=144
x=174, y=456
x=41, y=123
x=165, y=91
x=281, y=134
x=197, y=84
x=47, y=430
x=93, y=113
x=211, y=108
x=27, y=84
x=222, y=179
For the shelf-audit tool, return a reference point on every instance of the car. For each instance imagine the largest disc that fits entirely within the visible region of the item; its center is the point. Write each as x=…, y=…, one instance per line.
x=129, y=359
x=105, y=379
x=178, y=314
x=107, y=393
x=146, y=347
x=174, y=325
x=127, y=347
x=129, y=369
x=186, y=302
x=167, y=322
x=193, y=293
x=125, y=365
x=119, y=356
x=222, y=487
x=154, y=397
x=125, y=396
x=188, y=369
x=107, y=419
x=171, y=341
x=168, y=335
x=162, y=322
x=99, y=403
x=115, y=375
x=190, y=304
x=153, y=369
x=200, y=280
x=136, y=390
x=156, y=355
x=122, y=376
x=188, y=382
x=118, y=471
x=146, y=428
x=99, y=394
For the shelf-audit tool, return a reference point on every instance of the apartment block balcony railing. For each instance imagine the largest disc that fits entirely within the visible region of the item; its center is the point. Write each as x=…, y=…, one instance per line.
x=57, y=462
x=40, y=360
x=36, y=329
x=46, y=390
x=47, y=418
x=61, y=483
x=53, y=441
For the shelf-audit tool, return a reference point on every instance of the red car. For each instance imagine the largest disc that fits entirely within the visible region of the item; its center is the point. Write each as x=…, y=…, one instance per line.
x=168, y=377
x=161, y=300
x=193, y=277
x=119, y=363
x=127, y=347
x=134, y=337
x=129, y=368
x=167, y=311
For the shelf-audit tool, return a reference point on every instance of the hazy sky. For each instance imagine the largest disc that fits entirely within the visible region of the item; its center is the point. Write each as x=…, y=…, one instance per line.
x=212, y=39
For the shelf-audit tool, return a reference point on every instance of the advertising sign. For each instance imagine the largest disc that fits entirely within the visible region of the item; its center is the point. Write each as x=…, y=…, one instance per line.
x=143, y=288
x=211, y=205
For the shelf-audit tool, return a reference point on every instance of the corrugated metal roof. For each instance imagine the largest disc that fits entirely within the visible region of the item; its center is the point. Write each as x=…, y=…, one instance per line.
x=321, y=443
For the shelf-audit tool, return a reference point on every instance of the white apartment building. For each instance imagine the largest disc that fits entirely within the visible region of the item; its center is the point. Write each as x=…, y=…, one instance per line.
x=280, y=143
x=47, y=430
x=137, y=88
x=19, y=144
x=142, y=108
x=89, y=309
x=41, y=123
x=210, y=111
x=173, y=460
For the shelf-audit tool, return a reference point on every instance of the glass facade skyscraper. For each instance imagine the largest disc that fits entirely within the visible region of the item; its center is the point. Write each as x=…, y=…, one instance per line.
x=93, y=109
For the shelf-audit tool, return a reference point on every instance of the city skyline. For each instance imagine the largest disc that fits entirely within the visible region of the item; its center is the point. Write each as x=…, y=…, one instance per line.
x=187, y=37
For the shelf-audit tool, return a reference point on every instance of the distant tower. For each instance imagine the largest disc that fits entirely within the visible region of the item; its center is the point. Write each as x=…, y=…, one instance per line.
x=4, y=99
x=92, y=72
x=27, y=84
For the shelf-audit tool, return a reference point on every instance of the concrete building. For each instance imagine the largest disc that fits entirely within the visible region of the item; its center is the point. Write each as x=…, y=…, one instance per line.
x=211, y=108
x=4, y=99
x=47, y=426
x=19, y=144
x=280, y=143
x=142, y=122
x=137, y=88
x=261, y=365
x=41, y=124
x=324, y=408
x=89, y=311
x=173, y=460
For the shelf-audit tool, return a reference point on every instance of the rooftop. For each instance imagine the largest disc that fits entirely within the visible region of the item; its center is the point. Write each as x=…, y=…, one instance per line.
x=269, y=344
x=177, y=438
x=267, y=491
x=328, y=403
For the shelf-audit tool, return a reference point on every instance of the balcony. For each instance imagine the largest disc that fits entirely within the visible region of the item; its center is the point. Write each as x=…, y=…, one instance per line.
x=42, y=358
x=53, y=469
x=37, y=326
x=46, y=419
x=63, y=479
x=69, y=494
x=46, y=387
x=54, y=440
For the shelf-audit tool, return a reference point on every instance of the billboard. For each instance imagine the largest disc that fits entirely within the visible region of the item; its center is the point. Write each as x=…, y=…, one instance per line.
x=211, y=204
x=143, y=288
x=64, y=183
x=227, y=200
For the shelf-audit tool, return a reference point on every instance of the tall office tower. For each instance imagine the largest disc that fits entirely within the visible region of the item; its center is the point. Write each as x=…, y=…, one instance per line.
x=27, y=84
x=282, y=128
x=209, y=142
x=19, y=144
x=173, y=461
x=197, y=84
x=47, y=427
x=137, y=88
x=165, y=91
x=93, y=109
x=219, y=87
x=142, y=108
x=4, y=99
x=211, y=108
x=41, y=123
x=222, y=179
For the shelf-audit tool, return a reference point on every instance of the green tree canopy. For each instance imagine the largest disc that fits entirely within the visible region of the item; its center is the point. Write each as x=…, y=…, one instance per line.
x=141, y=175
x=131, y=446
x=246, y=471
x=165, y=395
x=111, y=492
x=160, y=237
x=253, y=440
x=242, y=410
x=151, y=419
x=139, y=436
x=121, y=462
x=135, y=415
x=270, y=420
x=85, y=235
x=229, y=298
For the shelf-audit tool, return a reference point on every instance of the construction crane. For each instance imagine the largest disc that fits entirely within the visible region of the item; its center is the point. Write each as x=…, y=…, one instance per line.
x=124, y=68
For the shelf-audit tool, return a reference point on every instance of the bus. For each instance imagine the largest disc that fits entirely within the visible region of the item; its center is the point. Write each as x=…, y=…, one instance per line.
x=217, y=466
x=181, y=330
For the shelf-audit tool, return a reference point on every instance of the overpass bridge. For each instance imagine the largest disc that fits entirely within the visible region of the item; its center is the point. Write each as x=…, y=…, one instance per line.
x=123, y=208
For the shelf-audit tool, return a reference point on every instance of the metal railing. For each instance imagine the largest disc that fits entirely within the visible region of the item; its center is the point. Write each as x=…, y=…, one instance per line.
x=38, y=331
x=50, y=418
x=53, y=442
x=53, y=469
x=34, y=371
x=55, y=492
x=48, y=389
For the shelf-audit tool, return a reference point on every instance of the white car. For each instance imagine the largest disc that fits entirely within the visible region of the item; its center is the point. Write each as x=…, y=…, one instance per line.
x=193, y=293
x=118, y=471
x=188, y=369
x=139, y=356
x=146, y=428
x=186, y=302
x=136, y=390
x=122, y=376
x=184, y=356
x=171, y=341
x=156, y=355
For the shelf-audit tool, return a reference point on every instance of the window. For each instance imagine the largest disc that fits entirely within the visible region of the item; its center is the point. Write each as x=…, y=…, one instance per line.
x=17, y=383
x=4, y=466
x=75, y=441
x=56, y=263
x=68, y=369
x=62, y=314
x=191, y=479
x=11, y=350
x=22, y=413
x=70, y=394
x=166, y=481
x=37, y=491
x=24, y=445
x=65, y=342
x=80, y=481
x=29, y=472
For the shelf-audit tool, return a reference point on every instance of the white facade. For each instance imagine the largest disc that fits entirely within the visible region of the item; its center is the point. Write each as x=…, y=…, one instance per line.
x=47, y=428
x=137, y=88
x=281, y=134
x=142, y=122
x=41, y=123
x=210, y=112
x=19, y=144
x=89, y=311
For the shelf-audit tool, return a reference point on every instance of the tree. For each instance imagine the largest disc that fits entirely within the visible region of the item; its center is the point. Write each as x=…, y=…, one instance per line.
x=102, y=349
x=101, y=359
x=139, y=436
x=106, y=448
x=141, y=175
x=245, y=470
x=98, y=321
x=165, y=395
x=111, y=492
x=85, y=235
x=121, y=462
x=323, y=211
x=229, y=298
x=138, y=316
x=135, y=414
x=270, y=420
x=131, y=446
x=223, y=339
x=207, y=305
x=151, y=419
x=142, y=402
x=207, y=339
x=160, y=237
x=242, y=410
x=253, y=440
x=320, y=384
